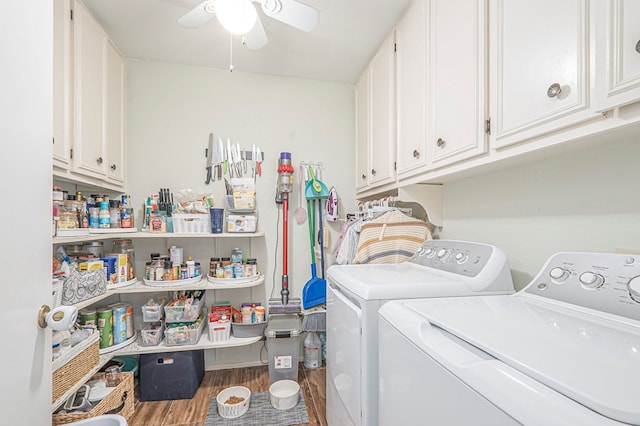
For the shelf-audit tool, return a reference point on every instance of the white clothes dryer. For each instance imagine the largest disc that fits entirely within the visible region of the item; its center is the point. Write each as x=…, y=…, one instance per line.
x=565, y=350
x=356, y=292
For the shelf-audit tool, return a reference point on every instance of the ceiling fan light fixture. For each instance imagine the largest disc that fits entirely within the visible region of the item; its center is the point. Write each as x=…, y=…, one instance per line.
x=236, y=16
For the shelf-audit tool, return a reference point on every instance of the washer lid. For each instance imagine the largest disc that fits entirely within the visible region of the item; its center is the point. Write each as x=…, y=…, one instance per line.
x=396, y=281
x=590, y=359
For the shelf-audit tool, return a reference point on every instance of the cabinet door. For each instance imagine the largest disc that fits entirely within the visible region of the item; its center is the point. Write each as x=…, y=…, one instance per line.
x=411, y=72
x=115, y=112
x=617, y=25
x=539, y=61
x=457, y=92
x=382, y=120
x=362, y=131
x=62, y=83
x=90, y=43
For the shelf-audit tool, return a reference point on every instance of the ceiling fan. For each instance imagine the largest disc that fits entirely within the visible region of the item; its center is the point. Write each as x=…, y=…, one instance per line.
x=240, y=17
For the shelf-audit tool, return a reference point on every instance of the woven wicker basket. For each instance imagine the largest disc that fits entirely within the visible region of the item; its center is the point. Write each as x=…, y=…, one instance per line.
x=74, y=370
x=121, y=401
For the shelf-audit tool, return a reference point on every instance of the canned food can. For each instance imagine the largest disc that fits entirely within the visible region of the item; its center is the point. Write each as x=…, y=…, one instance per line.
x=105, y=326
x=87, y=317
x=119, y=323
x=238, y=270
x=130, y=328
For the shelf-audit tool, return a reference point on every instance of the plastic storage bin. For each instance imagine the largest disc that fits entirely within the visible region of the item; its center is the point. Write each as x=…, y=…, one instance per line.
x=151, y=335
x=190, y=223
x=184, y=334
x=152, y=313
x=219, y=331
x=182, y=313
x=283, y=347
x=170, y=375
x=241, y=330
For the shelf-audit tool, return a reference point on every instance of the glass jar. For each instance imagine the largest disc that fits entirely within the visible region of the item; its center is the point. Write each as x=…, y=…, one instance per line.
x=126, y=247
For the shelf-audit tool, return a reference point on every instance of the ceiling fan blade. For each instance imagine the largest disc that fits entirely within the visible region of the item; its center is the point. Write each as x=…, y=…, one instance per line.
x=291, y=12
x=256, y=38
x=198, y=15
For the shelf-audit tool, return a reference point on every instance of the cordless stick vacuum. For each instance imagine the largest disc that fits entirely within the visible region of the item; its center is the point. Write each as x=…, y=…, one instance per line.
x=285, y=305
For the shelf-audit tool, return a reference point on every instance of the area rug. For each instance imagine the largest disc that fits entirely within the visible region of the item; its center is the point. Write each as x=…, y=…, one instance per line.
x=260, y=413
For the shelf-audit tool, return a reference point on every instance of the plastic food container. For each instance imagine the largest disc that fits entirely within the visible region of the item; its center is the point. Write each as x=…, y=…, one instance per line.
x=231, y=411
x=242, y=330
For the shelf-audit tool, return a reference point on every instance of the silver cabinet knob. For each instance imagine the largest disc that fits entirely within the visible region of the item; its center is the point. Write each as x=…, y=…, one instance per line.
x=363, y=176
x=416, y=154
x=554, y=90
x=113, y=167
x=373, y=172
x=441, y=143
x=99, y=160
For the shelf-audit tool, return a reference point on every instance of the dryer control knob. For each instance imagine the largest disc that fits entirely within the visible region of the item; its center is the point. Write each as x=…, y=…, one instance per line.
x=633, y=286
x=559, y=274
x=590, y=280
x=461, y=257
x=430, y=252
x=443, y=253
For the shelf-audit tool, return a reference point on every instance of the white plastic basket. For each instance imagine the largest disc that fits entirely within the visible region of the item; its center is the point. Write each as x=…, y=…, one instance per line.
x=231, y=411
x=219, y=331
x=184, y=223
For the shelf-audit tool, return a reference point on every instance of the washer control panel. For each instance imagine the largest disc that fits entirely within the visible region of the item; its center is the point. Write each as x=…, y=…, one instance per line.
x=602, y=281
x=459, y=257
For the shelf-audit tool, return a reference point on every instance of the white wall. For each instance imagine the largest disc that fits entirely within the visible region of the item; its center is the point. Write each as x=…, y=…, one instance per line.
x=171, y=111
x=581, y=201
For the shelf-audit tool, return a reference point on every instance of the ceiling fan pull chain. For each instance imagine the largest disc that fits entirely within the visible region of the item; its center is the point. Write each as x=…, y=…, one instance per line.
x=230, y=52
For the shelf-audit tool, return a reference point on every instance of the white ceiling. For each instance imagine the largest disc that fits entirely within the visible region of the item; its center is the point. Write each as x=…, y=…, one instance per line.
x=346, y=38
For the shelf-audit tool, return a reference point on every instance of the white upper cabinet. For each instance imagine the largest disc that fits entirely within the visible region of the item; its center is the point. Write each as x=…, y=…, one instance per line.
x=411, y=72
x=362, y=131
x=540, y=67
x=617, y=25
x=62, y=78
x=457, y=73
x=382, y=120
x=375, y=120
x=90, y=51
x=115, y=115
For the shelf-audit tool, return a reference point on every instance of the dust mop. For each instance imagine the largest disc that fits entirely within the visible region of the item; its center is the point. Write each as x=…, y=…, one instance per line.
x=284, y=305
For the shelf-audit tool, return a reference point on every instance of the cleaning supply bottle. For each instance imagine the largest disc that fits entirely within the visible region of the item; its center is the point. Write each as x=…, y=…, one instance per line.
x=312, y=352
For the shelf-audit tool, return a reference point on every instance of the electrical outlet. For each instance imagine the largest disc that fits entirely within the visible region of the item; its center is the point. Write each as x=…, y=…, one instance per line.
x=628, y=251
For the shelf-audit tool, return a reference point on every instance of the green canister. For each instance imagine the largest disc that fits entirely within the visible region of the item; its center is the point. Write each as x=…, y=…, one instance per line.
x=105, y=326
x=87, y=318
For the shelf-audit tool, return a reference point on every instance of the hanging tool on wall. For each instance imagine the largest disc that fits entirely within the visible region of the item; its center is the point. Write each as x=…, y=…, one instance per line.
x=210, y=161
x=284, y=188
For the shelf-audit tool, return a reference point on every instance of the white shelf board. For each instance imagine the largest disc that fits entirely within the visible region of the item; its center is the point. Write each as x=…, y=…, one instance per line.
x=139, y=234
x=203, y=343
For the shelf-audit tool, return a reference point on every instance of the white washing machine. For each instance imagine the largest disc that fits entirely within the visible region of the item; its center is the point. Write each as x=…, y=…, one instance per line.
x=565, y=350
x=356, y=292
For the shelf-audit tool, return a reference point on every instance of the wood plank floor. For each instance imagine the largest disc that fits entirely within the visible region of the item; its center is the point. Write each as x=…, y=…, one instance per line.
x=192, y=412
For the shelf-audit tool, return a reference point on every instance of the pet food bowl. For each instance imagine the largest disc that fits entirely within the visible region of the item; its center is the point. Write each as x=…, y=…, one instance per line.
x=230, y=410
x=284, y=394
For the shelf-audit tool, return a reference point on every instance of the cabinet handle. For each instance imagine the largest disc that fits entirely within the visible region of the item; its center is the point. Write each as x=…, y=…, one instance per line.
x=441, y=143
x=99, y=160
x=373, y=172
x=364, y=176
x=554, y=90
x=416, y=154
x=113, y=167
x=638, y=46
